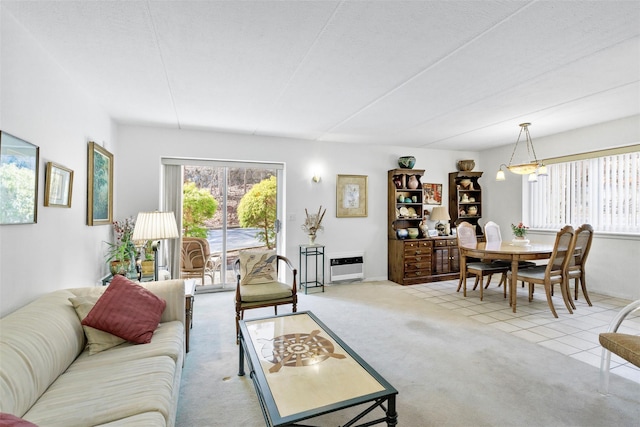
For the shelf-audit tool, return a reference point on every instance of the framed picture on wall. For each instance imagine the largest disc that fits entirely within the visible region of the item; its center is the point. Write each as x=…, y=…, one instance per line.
x=432, y=194
x=19, y=165
x=58, y=185
x=99, y=186
x=351, y=196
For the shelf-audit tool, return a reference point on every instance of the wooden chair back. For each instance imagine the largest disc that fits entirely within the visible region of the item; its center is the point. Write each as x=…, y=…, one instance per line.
x=562, y=252
x=584, y=237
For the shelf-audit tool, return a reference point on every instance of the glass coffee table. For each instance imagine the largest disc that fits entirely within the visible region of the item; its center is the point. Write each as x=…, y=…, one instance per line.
x=301, y=369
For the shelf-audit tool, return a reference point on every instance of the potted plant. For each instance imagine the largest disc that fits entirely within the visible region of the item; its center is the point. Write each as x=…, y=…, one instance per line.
x=147, y=265
x=121, y=253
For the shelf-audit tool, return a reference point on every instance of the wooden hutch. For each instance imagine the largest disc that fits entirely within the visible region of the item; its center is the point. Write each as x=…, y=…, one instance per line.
x=465, y=199
x=420, y=259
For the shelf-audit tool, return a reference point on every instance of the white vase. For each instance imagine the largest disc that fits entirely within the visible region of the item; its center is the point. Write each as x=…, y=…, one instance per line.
x=520, y=241
x=312, y=239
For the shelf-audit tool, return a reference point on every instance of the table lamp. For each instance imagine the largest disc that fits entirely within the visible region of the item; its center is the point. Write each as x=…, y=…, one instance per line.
x=155, y=226
x=440, y=213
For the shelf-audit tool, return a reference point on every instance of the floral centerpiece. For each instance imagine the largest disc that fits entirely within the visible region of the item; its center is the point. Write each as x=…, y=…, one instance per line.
x=519, y=230
x=313, y=223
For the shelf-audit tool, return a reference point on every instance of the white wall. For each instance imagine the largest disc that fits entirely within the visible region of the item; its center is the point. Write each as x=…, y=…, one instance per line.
x=612, y=263
x=39, y=104
x=138, y=168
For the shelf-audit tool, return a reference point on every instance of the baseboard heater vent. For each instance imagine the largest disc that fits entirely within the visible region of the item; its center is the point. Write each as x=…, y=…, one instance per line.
x=344, y=268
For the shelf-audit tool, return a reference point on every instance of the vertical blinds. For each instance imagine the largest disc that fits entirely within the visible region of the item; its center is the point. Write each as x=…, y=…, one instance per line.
x=602, y=191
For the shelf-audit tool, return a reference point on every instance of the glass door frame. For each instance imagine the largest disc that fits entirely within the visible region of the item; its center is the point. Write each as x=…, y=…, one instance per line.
x=227, y=164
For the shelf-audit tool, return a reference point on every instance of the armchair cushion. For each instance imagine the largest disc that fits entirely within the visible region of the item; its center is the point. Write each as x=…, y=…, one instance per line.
x=127, y=310
x=258, y=267
x=265, y=292
x=97, y=340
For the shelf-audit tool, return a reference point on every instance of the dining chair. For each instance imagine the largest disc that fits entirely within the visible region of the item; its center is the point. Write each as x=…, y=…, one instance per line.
x=584, y=237
x=492, y=235
x=196, y=260
x=555, y=272
x=258, y=283
x=466, y=236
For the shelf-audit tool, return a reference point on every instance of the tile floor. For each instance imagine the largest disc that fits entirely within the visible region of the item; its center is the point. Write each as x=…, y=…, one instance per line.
x=573, y=335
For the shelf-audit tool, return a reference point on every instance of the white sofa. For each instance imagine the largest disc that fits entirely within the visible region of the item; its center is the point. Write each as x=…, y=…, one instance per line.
x=47, y=376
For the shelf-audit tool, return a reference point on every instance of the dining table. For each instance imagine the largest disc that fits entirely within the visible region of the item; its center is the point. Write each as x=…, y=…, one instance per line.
x=506, y=251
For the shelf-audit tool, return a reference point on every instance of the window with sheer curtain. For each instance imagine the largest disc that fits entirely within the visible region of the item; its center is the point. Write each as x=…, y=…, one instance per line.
x=601, y=191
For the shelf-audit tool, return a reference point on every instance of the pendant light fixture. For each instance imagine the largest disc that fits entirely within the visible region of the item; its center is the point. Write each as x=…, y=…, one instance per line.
x=533, y=163
x=529, y=167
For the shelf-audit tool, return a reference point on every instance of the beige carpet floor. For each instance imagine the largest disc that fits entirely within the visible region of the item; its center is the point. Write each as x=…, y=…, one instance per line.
x=449, y=370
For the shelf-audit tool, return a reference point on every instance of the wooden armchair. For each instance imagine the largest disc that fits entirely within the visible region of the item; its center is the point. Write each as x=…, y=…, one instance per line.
x=196, y=260
x=258, y=284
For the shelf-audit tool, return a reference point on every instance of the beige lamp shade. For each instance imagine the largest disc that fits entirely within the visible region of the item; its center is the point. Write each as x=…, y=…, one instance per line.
x=439, y=213
x=155, y=226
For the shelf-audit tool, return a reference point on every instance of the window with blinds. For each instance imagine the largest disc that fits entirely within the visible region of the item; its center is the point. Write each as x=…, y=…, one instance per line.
x=601, y=191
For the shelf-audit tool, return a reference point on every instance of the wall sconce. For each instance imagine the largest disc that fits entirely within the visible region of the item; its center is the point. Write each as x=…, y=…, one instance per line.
x=316, y=177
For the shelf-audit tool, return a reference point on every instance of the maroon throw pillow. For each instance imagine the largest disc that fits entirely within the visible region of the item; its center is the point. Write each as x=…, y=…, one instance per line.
x=9, y=420
x=127, y=310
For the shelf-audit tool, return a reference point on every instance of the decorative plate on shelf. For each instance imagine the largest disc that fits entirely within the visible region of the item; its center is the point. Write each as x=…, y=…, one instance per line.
x=411, y=212
x=404, y=211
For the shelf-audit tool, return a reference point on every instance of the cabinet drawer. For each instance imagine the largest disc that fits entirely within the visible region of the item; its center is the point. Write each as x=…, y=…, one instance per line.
x=446, y=242
x=417, y=248
x=417, y=273
x=414, y=266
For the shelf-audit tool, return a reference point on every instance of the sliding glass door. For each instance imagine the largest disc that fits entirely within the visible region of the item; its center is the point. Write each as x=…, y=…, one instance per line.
x=247, y=204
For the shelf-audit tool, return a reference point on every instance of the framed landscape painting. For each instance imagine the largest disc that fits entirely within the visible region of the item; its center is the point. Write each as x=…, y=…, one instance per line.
x=58, y=186
x=99, y=186
x=19, y=164
x=351, y=196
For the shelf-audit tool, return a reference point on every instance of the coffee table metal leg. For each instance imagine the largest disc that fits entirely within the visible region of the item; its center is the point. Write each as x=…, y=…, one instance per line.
x=241, y=357
x=392, y=415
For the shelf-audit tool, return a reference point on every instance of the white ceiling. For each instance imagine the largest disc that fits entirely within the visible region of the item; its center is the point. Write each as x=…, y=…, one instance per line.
x=455, y=75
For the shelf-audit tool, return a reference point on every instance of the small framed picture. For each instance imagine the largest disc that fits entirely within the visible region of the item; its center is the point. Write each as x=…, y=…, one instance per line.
x=433, y=233
x=19, y=166
x=351, y=196
x=58, y=186
x=432, y=194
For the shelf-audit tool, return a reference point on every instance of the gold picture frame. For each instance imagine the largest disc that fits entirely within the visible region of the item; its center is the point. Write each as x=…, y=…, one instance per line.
x=19, y=168
x=351, y=196
x=99, y=186
x=58, y=186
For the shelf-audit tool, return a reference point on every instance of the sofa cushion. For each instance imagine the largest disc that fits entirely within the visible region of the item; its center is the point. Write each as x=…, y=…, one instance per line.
x=168, y=340
x=126, y=310
x=103, y=394
x=258, y=266
x=38, y=343
x=97, y=340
